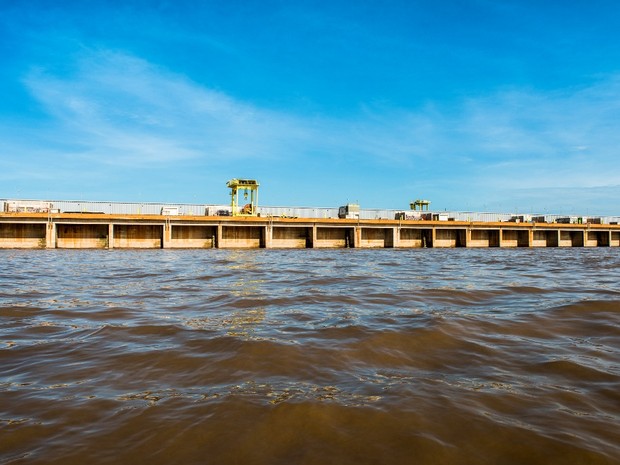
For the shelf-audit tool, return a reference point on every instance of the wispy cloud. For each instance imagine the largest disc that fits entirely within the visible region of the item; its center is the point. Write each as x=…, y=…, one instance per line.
x=565, y=138
x=121, y=111
x=133, y=113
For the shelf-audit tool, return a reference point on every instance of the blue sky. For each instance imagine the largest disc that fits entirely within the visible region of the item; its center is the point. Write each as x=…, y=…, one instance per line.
x=510, y=106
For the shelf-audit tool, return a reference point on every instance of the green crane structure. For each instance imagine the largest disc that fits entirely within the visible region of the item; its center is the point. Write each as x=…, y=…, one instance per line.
x=420, y=204
x=245, y=186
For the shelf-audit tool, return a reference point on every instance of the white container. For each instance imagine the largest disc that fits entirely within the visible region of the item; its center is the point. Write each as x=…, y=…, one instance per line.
x=170, y=211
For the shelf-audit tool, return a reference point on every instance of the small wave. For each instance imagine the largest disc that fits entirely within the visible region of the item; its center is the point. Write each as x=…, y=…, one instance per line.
x=574, y=371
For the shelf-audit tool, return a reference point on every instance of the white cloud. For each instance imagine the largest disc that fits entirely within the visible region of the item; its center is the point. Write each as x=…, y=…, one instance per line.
x=561, y=139
x=121, y=111
x=132, y=112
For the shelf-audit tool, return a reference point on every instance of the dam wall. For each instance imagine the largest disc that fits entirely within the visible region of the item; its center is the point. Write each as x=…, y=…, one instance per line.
x=112, y=231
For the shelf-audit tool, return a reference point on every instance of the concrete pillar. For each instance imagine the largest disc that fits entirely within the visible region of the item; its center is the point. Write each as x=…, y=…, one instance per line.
x=314, y=236
x=357, y=237
x=268, y=236
x=468, y=237
x=501, y=238
x=111, y=236
x=167, y=235
x=50, y=235
x=434, y=237
x=395, y=232
x=586, y=238
x=218, y=238
x=530, y=237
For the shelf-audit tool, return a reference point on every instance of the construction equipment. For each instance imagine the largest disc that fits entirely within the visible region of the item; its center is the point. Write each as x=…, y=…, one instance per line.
x=409, y=216
x=246, y=186
x=420, y=204
x=349, y=211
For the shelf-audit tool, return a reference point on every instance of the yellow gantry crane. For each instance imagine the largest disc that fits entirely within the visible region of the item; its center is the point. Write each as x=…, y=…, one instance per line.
x=244, y=186
x=420, y=204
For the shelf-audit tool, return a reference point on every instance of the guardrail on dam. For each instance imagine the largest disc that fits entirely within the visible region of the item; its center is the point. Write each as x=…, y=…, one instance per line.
x=185, y=209
x=115, y=231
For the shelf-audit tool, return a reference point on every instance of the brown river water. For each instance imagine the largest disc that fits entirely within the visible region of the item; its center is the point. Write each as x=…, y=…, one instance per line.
x=431, y=356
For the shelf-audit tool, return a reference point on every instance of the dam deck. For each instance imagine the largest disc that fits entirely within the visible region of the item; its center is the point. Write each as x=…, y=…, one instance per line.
x=135, y=231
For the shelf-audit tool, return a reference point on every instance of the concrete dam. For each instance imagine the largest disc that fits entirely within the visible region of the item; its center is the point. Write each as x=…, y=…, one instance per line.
x=89, y=230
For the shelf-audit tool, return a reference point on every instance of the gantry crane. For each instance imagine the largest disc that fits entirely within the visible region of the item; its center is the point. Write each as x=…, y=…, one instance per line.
x=420, y=204
x=246, y=186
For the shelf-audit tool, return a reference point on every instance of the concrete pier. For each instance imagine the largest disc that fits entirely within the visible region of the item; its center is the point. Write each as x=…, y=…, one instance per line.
x=101, y=231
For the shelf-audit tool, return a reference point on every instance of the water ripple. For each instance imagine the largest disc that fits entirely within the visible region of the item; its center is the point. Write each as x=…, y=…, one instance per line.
x=310, y=356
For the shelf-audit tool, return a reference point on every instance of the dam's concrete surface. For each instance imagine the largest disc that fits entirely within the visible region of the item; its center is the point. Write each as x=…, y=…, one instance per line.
x=103, y=231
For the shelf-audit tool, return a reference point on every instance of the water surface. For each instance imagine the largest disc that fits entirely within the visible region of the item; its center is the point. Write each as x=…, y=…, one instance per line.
x=434, y=356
